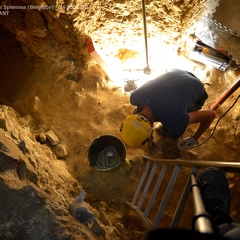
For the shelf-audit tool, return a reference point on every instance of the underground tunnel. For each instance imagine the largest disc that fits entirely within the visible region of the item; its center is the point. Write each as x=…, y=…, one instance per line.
x=58, y=94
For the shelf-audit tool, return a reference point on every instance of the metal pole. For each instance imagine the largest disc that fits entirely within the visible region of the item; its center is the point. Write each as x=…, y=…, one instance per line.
x=201, y=221
x=226, y=94
x=182, y=202
x=147, y=70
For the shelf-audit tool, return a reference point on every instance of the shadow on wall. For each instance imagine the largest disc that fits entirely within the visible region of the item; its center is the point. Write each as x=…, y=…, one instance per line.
x=14, y=67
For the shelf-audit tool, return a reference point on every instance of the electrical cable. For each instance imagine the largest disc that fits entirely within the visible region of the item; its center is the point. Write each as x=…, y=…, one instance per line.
x=108, y=158
x=218, y=122
x=213, y=128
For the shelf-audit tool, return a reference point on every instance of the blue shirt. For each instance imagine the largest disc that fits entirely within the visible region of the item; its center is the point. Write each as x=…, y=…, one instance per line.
x=170, y=96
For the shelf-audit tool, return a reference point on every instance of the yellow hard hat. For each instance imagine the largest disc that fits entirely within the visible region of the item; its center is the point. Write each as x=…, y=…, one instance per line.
x=136, y=130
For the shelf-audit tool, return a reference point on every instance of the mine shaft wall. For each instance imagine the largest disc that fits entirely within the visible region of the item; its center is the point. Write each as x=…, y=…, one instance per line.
x=34, y=25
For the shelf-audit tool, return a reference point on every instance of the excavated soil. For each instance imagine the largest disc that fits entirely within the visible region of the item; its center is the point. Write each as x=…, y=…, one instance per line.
x=50, y=87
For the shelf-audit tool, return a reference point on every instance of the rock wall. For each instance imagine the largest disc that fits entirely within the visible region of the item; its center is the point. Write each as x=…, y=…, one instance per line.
x=38, y=28
x=38, y=23
x=37, y=188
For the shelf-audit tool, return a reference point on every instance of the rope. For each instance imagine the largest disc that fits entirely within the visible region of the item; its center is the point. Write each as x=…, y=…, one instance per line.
x=108, y=158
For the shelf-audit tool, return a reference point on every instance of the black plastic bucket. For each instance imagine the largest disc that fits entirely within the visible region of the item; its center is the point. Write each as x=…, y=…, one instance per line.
x=106, y=153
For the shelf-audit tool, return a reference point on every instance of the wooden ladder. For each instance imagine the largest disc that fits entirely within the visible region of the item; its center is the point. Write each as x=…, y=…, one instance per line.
x=144, y=199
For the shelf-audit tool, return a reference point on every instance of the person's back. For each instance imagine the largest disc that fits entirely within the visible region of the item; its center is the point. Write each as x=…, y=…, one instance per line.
x=170, y=97
x=174, y=89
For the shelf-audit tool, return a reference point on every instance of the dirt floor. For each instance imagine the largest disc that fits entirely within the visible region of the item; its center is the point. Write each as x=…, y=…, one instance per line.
x=80, y=104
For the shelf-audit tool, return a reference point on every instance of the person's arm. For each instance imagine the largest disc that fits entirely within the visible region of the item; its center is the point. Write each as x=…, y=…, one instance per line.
x=204, y=117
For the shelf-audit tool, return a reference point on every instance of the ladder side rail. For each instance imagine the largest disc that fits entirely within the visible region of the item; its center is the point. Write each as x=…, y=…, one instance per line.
x=146, y=221
x=149, y=181
x=228, y=166
x=177, y=163
x=155, y=190
x=166, y=196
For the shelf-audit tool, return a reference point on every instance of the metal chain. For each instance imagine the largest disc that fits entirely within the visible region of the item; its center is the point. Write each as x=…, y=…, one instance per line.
x=220, y=27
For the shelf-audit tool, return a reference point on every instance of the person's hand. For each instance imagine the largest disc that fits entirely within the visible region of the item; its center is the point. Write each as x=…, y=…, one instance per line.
x=187, y=143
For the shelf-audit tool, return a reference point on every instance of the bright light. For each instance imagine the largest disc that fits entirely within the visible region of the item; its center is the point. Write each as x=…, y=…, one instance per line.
x=162, y=57
x=114, y=36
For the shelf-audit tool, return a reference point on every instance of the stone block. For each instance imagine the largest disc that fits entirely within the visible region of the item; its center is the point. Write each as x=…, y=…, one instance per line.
x=52, y=137
x=60, y=150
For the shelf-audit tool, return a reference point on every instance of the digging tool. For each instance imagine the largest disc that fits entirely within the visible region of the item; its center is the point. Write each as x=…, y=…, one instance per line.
x=147, y=69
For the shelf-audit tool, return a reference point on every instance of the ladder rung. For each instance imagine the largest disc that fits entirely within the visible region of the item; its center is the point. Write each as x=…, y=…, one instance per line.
x=155, y=190
x=166, y=196
x=149, y=196
x=141, y=182
x=150, y=178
